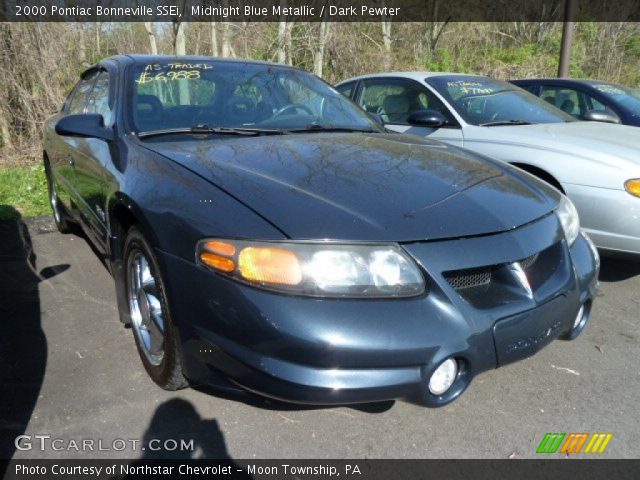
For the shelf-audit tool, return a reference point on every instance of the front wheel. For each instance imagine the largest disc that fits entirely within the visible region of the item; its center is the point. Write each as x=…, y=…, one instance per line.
x=153, y=330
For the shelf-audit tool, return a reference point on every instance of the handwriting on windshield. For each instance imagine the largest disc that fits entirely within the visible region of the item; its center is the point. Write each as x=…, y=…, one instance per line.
x=146, y=77
x=155, y=72
x=470, y=88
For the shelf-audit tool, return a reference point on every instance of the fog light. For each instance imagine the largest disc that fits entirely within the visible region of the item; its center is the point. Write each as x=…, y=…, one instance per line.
x=443, y=377
x=579, y=317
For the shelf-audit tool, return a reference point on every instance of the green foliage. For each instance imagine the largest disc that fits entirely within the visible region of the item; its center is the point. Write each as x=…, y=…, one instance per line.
x=23, y=189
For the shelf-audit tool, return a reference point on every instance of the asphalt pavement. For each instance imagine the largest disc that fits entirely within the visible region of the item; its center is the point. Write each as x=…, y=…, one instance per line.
x=69, y=369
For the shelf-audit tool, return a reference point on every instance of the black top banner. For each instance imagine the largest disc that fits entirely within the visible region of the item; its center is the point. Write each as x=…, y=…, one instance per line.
x=315, y=10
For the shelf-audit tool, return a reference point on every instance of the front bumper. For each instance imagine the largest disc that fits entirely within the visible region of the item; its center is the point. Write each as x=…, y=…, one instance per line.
x=339, y=351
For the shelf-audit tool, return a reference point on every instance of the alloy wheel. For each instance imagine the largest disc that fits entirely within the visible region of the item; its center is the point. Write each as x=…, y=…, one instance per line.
x=147, y=316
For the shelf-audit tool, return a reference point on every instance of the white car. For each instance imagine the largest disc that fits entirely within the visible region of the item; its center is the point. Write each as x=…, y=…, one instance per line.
x=596, y=165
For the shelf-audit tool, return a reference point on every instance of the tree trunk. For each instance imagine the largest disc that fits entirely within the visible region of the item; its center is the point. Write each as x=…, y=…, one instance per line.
x=214, y=40
x=282, y=29
x=82, y=44
x=98, y=26
x=318, y=59
x=5, y=137
x=226, y=40
x=386, y=43
x=179, y=44
x=287, y=44
x=153, y=45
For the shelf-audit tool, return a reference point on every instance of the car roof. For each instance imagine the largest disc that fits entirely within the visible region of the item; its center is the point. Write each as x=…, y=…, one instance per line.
x=134, y=58
x=582, y=81
x=420, y=76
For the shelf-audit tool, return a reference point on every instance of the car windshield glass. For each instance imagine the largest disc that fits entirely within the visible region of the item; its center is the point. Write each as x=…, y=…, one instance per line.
x=217, y=94
x=484, y=101
x=620, y=94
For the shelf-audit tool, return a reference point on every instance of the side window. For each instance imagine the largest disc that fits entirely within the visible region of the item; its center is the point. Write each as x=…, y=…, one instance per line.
x=99, y=99
x=566, y=99
x=79, y=97
x=396, y=99
x=346, y=89
x=593, y=103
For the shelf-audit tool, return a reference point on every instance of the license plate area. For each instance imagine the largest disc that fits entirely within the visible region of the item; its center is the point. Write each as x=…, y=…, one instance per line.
x=524, y=334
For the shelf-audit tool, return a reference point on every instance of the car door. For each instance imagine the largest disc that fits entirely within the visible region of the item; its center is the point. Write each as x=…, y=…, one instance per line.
x=64, y=158
x=91, y=159
x=394, y=99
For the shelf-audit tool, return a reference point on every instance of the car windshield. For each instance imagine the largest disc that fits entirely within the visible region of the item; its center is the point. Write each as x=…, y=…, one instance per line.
x=625, y=96
x=235, y=95
x=485, y=102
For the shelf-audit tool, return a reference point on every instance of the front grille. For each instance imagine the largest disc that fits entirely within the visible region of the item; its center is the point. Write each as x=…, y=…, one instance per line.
x=529, y=261
x=472, y=277
x=489, y=285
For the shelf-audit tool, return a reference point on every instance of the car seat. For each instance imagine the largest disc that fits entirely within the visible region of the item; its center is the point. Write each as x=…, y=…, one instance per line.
x=147, y=112
x=396, y=108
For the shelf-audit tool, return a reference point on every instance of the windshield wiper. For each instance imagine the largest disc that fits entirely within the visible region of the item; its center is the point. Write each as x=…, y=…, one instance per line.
x=316, y=127
x=206, y=130
x=506, y=122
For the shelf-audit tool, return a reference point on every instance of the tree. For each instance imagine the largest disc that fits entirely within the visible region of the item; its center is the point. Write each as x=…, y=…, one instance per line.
x=318, y=57
x=214, y=39
x=151, y=32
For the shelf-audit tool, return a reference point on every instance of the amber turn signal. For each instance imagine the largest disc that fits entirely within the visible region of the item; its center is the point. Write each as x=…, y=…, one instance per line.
x=218, y=262
x=221, y=248
x=633, y=186
x=270, y=265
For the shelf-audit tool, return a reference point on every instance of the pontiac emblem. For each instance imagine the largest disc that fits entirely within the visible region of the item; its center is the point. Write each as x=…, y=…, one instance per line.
x=521, y=277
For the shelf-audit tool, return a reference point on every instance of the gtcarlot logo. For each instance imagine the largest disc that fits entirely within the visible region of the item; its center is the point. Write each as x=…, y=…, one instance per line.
x=46, y=442
x=573, y=443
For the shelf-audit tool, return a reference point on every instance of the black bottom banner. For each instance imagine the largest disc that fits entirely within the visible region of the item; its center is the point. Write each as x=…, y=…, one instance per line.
x=321, y=469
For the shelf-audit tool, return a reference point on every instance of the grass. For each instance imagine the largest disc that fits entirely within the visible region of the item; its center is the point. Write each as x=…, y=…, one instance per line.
x=23, y=192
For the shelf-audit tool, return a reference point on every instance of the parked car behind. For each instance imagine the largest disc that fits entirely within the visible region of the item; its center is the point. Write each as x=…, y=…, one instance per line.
x=265, y=234
x=588, y=99
x=597, y=165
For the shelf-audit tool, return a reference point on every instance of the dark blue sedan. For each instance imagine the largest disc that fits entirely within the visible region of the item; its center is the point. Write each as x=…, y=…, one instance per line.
x=588, y=99
x=266, y=234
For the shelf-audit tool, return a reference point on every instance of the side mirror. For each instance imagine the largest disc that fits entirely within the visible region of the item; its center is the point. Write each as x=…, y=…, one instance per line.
x=427, y=118
x=89, y=125
x=601, y=116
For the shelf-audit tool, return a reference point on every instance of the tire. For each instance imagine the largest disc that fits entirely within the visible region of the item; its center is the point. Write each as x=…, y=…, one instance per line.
x=60, y=216
x=153, y=329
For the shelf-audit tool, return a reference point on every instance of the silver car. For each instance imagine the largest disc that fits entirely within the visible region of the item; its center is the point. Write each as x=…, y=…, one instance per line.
x=596, y=165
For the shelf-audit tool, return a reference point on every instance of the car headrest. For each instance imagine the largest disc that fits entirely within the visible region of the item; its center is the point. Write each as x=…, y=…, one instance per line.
x=568, y=106
x=151, y=101
x=396, y=107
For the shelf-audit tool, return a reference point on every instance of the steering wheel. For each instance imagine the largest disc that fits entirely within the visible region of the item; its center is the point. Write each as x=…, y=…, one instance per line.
x=293, y=106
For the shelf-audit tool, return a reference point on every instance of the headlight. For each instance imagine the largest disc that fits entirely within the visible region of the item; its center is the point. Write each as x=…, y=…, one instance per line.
x=568, y=216
x=633, y=186
x=315, y=269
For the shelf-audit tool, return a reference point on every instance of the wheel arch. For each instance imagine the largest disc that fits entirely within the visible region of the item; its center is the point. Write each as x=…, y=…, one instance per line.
x=122, y=214
x=541, y=173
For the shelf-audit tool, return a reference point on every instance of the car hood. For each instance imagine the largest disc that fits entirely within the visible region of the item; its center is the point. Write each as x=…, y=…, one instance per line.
x=610, y=144
x=353, y=186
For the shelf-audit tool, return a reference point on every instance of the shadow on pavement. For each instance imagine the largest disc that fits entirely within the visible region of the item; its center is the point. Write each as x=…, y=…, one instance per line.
x=176, y=422
x=23, y=346
x=618, y=268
